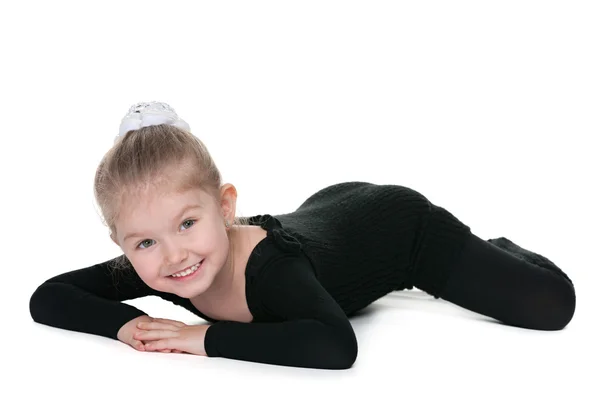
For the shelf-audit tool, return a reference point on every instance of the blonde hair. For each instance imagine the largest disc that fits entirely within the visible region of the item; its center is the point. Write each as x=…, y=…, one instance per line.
x=150, y=157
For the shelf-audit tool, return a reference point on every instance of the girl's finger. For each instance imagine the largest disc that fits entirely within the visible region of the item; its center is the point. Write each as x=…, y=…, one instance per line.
x=145, y=347
x=138, y=345
x=157, y=325
x=154, y=335
x=159, y=345
x=170, y=321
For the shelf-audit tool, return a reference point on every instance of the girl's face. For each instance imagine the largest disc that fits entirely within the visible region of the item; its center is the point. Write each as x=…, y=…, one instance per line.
x=167, y=234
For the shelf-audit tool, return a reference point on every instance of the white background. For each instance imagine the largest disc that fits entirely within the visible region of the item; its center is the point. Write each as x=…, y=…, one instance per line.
x=490, y=109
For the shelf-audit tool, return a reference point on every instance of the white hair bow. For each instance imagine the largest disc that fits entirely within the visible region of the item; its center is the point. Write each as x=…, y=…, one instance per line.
x=150, y=113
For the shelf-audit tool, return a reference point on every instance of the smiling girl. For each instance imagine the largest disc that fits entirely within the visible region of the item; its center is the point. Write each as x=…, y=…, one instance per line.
x=277, y=289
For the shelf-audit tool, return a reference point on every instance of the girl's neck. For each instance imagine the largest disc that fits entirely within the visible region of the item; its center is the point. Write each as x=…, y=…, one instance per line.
x=231, y=279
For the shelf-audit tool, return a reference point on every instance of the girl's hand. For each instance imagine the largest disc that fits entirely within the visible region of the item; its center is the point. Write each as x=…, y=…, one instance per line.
x=163, y=335
x=128, y=331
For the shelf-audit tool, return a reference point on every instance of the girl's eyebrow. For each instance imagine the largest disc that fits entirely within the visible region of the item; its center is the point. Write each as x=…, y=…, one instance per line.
x=178, y=216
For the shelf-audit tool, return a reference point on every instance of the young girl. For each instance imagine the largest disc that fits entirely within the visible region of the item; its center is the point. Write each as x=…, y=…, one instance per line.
x=276, y=289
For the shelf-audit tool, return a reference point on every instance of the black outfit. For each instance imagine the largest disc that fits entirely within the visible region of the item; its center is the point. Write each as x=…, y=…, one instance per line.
x=346, y=246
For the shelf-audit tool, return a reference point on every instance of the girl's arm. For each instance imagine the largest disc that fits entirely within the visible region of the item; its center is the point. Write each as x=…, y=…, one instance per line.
x=89, y=299
x=314, y=331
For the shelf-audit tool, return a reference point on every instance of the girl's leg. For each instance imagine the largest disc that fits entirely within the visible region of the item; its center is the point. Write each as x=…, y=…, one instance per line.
x=501, y=283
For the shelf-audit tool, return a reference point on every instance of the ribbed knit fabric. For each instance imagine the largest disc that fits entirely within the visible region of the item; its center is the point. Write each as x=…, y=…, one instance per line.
x=366, y=240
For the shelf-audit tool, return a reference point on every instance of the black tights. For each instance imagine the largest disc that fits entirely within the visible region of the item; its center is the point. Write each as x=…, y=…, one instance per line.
x=501, y=281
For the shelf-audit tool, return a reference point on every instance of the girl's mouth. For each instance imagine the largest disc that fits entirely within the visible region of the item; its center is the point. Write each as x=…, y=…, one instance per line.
x=188, y=273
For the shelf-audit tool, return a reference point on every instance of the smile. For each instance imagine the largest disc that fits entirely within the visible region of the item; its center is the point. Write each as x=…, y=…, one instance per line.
x=187, y=273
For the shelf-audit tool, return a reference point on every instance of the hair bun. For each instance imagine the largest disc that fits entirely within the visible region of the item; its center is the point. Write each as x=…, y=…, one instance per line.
x=150, y=113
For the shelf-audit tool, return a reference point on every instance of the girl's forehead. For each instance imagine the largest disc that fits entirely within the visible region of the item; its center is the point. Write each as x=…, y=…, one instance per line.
x=143, y=210
x=148, y=199
x=149, y=204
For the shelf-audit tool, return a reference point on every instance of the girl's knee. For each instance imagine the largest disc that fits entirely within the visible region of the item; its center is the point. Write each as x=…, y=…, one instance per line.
x=552, y=305
x=500, y=284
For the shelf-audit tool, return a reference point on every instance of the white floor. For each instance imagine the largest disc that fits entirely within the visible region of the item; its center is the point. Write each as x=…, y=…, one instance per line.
x=410, y=346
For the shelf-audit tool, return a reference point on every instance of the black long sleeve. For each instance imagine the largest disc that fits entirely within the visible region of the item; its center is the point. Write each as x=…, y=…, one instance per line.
x=311, y=330
x=90, y=299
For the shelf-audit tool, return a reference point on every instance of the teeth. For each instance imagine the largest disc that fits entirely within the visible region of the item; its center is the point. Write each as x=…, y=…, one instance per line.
x=187, y=271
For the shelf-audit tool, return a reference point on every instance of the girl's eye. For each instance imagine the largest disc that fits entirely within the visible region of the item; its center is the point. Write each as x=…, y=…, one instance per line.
x=144, y=241
x=189, y=220
x=193, y=221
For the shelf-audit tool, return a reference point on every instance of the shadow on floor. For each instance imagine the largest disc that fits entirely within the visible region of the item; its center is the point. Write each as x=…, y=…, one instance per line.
x=416, y=300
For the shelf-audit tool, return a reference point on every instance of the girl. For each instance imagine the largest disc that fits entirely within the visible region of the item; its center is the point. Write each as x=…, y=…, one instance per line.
x=276, y=289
